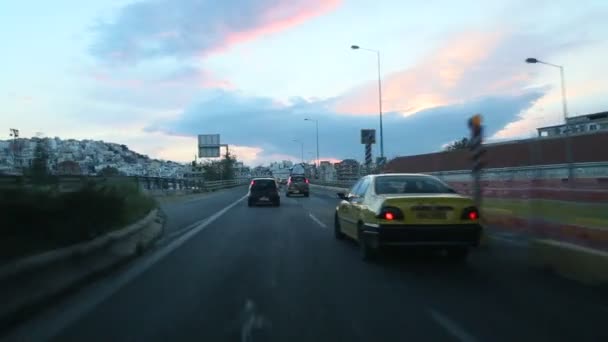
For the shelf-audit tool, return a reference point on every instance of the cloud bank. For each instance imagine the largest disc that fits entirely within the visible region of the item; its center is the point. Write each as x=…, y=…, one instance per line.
x=195, y=28
x=258, y=121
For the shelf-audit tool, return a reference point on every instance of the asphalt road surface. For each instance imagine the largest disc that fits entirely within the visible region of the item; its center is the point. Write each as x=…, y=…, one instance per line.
x=227, y=272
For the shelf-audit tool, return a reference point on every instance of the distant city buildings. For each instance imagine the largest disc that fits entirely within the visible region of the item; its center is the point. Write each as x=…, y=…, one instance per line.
x=281, y=169
x=348, y=169
x=84, y=157
x=587, y=123
x=327, y=172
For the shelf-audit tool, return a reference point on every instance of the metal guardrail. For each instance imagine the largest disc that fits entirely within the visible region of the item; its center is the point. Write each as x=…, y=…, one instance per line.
x=554, y=171
x=73, y=183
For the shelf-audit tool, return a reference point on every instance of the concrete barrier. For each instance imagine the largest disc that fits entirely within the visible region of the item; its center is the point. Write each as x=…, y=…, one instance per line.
x=586, y=265
x=28, y=284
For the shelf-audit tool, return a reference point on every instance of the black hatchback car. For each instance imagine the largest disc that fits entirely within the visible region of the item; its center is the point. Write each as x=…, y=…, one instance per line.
x=264, y=190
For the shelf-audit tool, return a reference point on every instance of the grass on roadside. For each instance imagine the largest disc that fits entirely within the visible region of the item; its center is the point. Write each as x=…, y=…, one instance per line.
x=39, y=219
x=591, y=214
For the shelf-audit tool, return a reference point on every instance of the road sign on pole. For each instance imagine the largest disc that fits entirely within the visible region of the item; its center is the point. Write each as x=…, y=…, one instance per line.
x=477, y=152
x=209, y=145
x=368, y=155
x=368, y=136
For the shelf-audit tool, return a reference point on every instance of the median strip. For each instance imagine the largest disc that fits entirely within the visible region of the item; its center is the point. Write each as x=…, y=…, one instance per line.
x=583, y=264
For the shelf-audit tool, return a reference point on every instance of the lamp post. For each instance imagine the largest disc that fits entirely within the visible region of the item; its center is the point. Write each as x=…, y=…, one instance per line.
x=301, y=150
x=317, y=131
x=565, y=113
x=357, y=47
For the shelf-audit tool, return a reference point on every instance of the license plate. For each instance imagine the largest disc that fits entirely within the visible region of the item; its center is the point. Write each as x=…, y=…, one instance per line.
x=296, y=191
x=264, y=199
x=432, y=215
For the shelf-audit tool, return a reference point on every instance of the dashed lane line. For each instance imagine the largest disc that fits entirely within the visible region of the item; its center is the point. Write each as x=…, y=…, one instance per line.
x=451, y=327
x=317, y=221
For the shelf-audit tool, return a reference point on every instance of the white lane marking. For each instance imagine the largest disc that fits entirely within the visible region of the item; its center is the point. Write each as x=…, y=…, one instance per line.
x=451, y=327
x=252, y=320
x=508, y=241
x=181, y=231
x=48, y=326
x=317, y=220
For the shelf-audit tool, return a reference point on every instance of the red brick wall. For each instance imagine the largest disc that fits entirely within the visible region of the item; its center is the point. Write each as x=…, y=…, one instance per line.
x=585, y=148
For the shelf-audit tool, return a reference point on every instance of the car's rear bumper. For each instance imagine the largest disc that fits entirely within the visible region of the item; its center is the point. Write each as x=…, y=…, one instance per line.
x=297, y=190
x=423, y=235
x=258, y=199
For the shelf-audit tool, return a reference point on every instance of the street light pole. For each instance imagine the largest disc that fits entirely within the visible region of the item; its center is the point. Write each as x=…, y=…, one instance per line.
x=356, y=47
x=317, y=130
x=565, y=113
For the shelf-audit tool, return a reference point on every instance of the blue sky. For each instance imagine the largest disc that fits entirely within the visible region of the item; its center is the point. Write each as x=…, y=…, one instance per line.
x=153, y=74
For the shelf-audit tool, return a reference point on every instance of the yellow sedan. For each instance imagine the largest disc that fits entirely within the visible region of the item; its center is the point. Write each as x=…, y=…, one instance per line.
x=407, y=210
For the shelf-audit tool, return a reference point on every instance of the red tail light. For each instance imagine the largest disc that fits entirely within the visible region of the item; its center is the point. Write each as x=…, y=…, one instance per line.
x=252, y=182
x=390, y=214
x=470, y=213
x=306, y=180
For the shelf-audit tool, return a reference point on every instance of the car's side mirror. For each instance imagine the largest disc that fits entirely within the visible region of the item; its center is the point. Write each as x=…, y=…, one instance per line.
x=342, y=195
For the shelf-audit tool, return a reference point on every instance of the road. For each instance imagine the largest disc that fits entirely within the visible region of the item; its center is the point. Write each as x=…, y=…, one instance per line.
x=227, y=272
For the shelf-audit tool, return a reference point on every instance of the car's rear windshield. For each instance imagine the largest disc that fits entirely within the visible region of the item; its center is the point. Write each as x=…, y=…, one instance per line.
x=410, y=185
x=259, y=184
x=298, y=179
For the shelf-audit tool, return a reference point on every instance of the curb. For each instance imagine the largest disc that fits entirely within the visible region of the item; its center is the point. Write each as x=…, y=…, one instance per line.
x=30, y=284
x=586, y=265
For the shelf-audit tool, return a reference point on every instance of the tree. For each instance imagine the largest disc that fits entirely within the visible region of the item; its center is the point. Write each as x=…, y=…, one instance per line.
x=68, y=167
x=458, y=145
x=109, y=171
x=227, y=166
x=220, y=170
x=211, y=170
x=39, y=169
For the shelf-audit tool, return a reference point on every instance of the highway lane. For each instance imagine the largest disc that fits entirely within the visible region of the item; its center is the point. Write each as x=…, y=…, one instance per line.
x=183, y=213
x=277, y=274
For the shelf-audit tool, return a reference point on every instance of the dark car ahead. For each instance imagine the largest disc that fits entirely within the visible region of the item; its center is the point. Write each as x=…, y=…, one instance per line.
x=264, y=190
x=297, y=185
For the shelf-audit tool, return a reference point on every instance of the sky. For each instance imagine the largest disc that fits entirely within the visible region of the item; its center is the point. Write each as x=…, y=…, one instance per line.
x=153, y=74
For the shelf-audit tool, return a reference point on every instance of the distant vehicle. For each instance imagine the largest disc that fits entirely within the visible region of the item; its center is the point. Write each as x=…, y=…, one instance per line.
x=264, y=190
x=407, y=210
x=298, y=170
x=297, y=185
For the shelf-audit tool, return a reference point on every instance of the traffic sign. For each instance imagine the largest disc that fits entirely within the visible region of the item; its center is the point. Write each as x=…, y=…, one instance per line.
x=368, y=136
x=209, y=145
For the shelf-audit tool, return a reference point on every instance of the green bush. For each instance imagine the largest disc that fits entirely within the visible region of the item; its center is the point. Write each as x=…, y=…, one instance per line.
x=40, y=218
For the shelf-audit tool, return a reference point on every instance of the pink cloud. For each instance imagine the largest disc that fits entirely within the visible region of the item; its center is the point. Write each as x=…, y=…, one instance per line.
x=190, y=28
x=283, y=16
x=462, y=68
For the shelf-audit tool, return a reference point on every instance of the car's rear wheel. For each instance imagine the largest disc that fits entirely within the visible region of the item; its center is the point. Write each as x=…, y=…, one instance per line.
x=367, y=252
x=249, y=203
x=277, y=203
x=287, y=194
x=306, y=194
x=337, y=229
x=458, y=254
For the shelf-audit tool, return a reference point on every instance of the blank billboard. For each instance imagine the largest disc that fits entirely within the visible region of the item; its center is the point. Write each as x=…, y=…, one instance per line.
x=208, y=139
x=208, y=151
